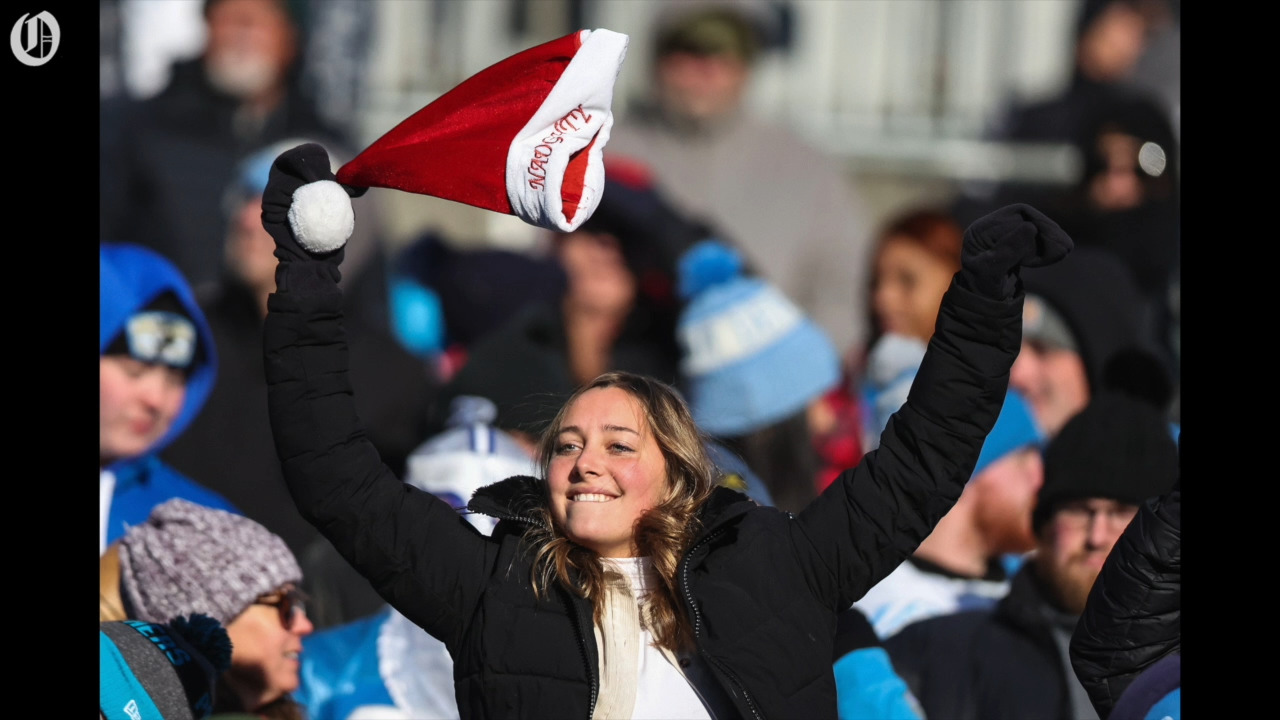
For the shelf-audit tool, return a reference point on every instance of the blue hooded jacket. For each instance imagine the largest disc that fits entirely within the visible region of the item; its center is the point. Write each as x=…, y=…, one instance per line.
x=129, y=278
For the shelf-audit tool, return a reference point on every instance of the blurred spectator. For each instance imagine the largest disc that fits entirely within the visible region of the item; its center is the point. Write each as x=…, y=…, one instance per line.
x=165, y=160
x=1159, y=68
x=755, y=369
x=916, y=253
x=1128, y=203
x=962, y=565
x=1081, y=334
x=160, y=670
x=375, y=660
x=618, y=311
x=187, y=558
x=395, y=387
x=156, y=369
x=444, y=299
x=1110, y=39
x=1012, y=661
x=1113, y=68
x=1127, y=649
x=795, y=212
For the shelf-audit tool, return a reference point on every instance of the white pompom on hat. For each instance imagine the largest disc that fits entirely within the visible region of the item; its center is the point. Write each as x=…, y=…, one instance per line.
x=523, y=137
x=321, y=216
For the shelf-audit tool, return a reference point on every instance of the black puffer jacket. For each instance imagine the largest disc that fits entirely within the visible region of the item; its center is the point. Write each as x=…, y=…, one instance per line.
x=762, y=587
x=1133, y=618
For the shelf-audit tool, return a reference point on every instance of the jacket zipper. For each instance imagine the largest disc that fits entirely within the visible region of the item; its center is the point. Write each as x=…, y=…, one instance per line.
x=582, y=636
x=586, y=658
x=697, y=625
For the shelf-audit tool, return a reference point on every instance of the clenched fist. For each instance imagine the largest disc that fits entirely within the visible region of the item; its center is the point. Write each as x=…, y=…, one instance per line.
x=998, y=244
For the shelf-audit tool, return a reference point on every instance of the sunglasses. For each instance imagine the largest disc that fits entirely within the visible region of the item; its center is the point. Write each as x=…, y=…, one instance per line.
x=289, y=603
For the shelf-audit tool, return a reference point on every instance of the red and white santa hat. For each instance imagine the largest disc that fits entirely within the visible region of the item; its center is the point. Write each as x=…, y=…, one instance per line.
x=524, y=136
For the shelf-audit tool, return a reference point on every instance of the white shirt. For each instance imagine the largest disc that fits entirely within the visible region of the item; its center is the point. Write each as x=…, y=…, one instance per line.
x=662, y=690
x=106, y=487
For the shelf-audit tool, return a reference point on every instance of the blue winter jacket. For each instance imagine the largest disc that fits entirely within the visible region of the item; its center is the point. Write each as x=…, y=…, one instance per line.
x=130, y=277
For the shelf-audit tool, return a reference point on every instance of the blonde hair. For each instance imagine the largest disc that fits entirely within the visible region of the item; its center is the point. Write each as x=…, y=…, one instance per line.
x=110, y=606
x=663, y=533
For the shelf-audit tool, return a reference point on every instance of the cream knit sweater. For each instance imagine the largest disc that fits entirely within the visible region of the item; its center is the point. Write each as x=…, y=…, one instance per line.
x=619, y=637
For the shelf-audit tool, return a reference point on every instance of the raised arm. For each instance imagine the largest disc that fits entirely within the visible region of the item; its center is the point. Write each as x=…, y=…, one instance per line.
x=876, y=514
x=1133, y=618
x=378, y=523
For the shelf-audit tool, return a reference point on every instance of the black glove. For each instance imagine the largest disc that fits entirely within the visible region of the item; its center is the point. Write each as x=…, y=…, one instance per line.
x=316, y=222
x=997, y=244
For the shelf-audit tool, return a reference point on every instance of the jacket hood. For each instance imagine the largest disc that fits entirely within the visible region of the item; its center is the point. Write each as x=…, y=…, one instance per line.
x=130, y=277
x=505, y=499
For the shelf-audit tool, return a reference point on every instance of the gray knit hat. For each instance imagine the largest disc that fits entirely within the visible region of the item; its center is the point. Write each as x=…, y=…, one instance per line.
x=188, y=558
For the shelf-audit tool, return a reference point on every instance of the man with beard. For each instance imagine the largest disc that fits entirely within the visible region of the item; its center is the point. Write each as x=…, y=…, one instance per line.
x=1012, y=661
x=964, y=563
x=165, y=160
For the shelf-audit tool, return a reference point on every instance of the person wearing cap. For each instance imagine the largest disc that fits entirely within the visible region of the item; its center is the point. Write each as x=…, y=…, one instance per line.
x=1082, y=334
x=963, y=564
x=755, y=369
x=621, y=581
x=798, y=215
x=1127, y=648
x=187, y=558
x=160, y=671
x=157, y=364
x=1012, y=661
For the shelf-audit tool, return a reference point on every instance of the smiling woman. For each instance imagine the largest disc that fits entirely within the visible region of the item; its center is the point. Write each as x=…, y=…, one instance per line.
x=187, y=558
x=624, y=582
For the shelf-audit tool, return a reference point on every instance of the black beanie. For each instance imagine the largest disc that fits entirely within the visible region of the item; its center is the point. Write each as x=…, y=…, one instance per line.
x=167, y=670
x=1118, y=448
x=1095, y=294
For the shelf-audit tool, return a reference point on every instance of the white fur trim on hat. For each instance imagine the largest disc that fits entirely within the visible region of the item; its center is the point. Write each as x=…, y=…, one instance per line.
x=321, y=216
x=575, y=115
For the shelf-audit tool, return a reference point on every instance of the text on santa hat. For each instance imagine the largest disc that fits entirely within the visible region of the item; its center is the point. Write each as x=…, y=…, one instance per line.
x=542, y=151
x=738, y=332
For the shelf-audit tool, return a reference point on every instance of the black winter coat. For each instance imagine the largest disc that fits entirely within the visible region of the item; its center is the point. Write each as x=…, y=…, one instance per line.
x=761, y=586
x=1133, y=618
x=999, y=664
